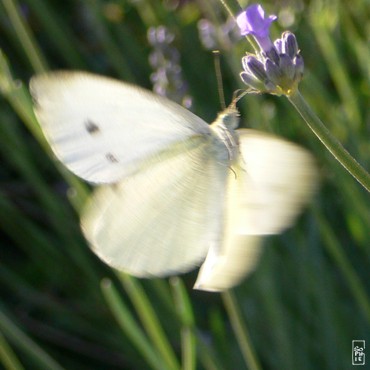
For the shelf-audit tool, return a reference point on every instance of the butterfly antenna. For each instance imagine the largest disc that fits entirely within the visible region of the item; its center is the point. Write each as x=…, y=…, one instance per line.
x=220, y=87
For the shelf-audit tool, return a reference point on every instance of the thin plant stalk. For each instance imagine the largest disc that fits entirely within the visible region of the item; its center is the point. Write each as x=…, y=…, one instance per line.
x=24, y=342
x=233, y=7
x=30, y=47
x=185, y=312
x=241, y=331
x=330, y=142
x=8, y=357
x=354, y=282
x=129, y=325
x=149, y=320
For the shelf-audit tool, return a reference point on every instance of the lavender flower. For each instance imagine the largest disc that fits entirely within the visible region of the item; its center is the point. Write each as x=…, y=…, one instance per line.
x=221, y=36
x=278, y=67
x=165, y=60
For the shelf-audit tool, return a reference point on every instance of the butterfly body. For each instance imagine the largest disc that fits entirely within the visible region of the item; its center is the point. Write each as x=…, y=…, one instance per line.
x=183, y=189
x=224, y=128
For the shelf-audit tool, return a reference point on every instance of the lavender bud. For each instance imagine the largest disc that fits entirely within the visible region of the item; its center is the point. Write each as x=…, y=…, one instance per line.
x=255, y=67
x=290, y=44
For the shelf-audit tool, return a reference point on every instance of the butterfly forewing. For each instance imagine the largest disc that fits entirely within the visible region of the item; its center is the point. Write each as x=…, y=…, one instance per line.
x=102, y=129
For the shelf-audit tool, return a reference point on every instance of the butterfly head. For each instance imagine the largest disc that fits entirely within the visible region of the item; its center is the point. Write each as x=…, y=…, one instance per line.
x=229, y=117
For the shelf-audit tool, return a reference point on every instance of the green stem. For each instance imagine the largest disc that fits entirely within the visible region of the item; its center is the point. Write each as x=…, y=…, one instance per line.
x=233, y=7
x=331, y=143
x=25, y=36
x=185, y=313
x=8, y=357
x=240, y=330
x=150, y=321
x=22, y=341
x=130, y=326
x=333, y=247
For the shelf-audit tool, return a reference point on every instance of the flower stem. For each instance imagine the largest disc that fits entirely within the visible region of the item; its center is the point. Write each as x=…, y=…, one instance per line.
x=25, y=36
x=232, y=6
x=240, y=330
x=331, y=143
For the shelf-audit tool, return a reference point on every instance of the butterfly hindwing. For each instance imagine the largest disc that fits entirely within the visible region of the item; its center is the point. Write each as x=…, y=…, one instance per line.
x=269, y=185
x=275, y=179
x=161, y=220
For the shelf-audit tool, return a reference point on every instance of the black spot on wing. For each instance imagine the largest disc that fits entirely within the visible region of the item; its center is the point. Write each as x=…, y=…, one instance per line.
x=114, y=187
x=111, y=158
x=91, y=127
x=35, y=102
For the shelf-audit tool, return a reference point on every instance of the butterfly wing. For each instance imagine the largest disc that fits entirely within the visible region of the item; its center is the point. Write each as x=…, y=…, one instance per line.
x=225, y=266
x=163, y=219
x=275, y=179
x=103, y=129
x=272, y=182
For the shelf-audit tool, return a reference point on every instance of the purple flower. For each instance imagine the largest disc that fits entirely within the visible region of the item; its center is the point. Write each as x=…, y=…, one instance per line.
x=278, y=67
x=167, y=77
x=218, y=36
x=253, y=22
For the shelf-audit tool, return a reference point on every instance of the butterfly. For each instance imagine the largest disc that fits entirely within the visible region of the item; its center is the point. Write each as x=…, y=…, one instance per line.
x=174, y=192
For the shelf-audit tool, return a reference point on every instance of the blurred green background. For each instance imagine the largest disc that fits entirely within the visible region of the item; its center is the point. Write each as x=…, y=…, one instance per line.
x=61, y=308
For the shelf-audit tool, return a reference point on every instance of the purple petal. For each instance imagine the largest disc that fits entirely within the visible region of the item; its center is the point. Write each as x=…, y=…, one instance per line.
x=287, y=66
x=251, y=81
x=253, y=21
x=255, y=67
x=278, y=43
x=290, y=44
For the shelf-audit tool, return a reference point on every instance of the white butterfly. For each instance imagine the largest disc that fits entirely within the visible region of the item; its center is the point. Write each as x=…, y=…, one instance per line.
x=176, y=190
